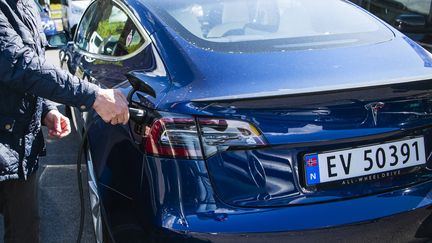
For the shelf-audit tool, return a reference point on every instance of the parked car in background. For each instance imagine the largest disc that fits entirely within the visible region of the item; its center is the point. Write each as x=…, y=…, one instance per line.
x=48, y=23
x=412, y=17
x=274, y=120
x=72, y=10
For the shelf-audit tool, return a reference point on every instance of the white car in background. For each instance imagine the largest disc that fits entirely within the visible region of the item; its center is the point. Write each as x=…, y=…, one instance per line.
x=72, y=10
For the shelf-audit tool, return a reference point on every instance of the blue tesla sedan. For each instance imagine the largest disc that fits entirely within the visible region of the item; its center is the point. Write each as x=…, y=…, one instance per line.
x=288, y=120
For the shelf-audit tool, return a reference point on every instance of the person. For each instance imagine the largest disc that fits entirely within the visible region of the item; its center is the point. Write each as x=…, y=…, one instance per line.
x=27, y=85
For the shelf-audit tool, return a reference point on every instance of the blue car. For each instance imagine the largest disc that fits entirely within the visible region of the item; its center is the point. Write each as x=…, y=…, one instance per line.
x=271, y=120
x=48, y=23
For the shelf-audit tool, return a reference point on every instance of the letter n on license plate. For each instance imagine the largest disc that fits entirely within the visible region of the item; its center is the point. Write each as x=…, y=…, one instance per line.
x=356, y=162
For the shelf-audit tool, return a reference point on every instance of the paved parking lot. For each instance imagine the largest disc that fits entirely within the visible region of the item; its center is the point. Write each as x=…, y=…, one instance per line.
x=58, y=191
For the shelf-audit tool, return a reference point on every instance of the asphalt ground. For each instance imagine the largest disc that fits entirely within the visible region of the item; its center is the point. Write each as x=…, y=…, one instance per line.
x=59, y=204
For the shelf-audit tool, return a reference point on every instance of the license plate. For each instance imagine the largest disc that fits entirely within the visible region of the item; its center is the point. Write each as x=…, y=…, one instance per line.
x=357, y=162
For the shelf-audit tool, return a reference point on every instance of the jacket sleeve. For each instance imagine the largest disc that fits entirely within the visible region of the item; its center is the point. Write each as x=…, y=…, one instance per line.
x=47, y=106
x=21, y=69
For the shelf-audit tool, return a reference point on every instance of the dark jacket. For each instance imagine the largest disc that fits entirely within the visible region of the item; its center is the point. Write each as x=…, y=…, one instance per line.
x=26, y=83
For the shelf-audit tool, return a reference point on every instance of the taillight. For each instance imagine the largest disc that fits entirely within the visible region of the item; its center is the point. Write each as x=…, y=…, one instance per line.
x=181, y=137
x=221, y=135
x=174, y=137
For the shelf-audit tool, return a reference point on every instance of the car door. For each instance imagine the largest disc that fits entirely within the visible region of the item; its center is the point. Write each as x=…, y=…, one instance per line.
x=109, y=43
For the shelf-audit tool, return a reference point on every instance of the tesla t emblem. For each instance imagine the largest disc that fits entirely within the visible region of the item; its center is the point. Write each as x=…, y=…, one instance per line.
x=374, y=108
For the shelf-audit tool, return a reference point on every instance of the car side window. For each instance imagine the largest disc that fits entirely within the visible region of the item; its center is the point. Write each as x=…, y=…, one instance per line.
x=107, y=30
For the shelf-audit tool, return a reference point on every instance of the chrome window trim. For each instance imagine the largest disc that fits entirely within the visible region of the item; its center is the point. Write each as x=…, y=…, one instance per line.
x=140, y=28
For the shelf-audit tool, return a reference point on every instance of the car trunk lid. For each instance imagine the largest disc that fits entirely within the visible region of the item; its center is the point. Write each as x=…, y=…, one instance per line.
x=301, y=124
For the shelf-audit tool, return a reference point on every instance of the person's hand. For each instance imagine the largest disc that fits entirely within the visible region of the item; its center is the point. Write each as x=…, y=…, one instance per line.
x=112, y=106
x=58, y=125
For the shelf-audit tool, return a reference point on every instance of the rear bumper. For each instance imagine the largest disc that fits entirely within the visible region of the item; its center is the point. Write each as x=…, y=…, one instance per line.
x=314, y=216
x=405, y=227
x=200, y=215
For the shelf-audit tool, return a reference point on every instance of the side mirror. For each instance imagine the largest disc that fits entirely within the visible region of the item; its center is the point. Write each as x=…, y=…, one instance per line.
x=410, y=22
x=58, y=40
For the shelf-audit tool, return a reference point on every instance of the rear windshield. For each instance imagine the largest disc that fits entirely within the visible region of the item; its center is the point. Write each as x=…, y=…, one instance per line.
x=228, y=24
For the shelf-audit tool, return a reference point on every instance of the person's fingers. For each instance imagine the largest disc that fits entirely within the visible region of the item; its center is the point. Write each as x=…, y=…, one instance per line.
x=126, y=110
x=106, y=116
x=65, y=124
x=121, y=106
x=115, y=121
x=55, y=127
x=106, y=119
x=63, y=134
x=126, y=116
x=57, y=123
x=53, y=133
x=119, y=95
x=66, y=128
x=122, y=118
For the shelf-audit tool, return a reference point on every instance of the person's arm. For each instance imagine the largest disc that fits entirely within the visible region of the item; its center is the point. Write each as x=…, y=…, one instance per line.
x=26, y=72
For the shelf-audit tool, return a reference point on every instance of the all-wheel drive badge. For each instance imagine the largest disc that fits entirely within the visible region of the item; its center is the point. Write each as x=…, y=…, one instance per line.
x=374, y=107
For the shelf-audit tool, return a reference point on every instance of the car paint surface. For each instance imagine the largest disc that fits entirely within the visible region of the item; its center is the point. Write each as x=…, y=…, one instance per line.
x=199, y=200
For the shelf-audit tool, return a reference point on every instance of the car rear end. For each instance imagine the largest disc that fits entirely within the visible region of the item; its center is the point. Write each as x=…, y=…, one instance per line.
x=315, y=138
x=291, y=163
